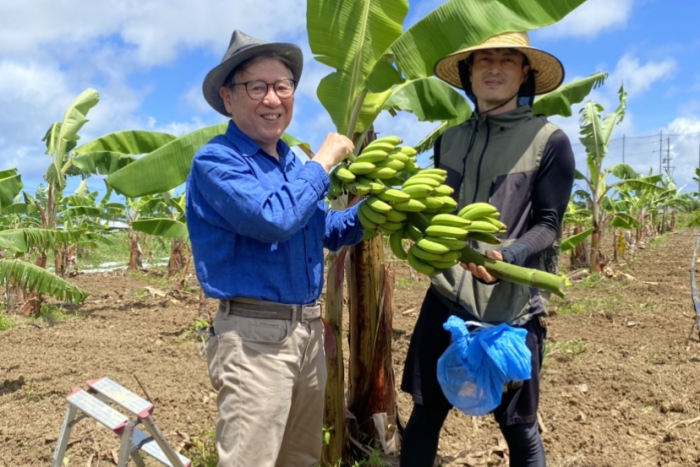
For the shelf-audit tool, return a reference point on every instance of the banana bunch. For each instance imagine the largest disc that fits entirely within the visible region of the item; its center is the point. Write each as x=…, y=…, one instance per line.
x=447, y=234
x=375, y=169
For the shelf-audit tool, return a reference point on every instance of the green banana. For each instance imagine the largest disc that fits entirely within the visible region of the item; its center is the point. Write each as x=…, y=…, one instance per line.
x=393, y=195
x=417, y=191
x=359, y=168
x=444, y=190
x=393, y=181
x=344, y=174
x=397, y=246
x=483, y=226
x=374, y=187
x=393, y=140
x=436, y=177
x=371, y=214
x=366, y=223
x=395, y=164
x=450, y=219
x=397, y=155
x=419, y=180
x=476, y=211
x=484, y=237
x=357, y=189
x=369, y=234
x=408, y=150
x=427, y=256
x=435, y=171
x=372, y=156
x=448, y=201
x=445, y=231
x=411, y=205
x=449, y=243
x=419, y=265
x=386, y=231
x=442, y=264
x=411, y=232
x=378, y=205
x=431, y=246
x=393, y=226
x=431, y=202
x=382, y=173
x=410, y=166
x=380, y=145
x=496, y=222
x=396, y=216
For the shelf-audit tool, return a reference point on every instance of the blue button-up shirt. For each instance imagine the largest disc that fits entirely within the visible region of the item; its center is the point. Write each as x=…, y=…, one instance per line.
x=258, y=226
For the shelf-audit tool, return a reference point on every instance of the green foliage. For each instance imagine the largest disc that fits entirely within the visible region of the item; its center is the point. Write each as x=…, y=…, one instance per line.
x=31, y=278
x=6, y=322
x=202, y=451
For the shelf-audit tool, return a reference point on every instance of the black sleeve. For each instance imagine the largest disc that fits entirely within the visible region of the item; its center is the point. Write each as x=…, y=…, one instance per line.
x=436, y=152
x=552, y=191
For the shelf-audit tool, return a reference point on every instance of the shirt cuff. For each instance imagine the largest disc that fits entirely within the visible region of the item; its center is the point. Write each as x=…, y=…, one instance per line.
x=314, y=174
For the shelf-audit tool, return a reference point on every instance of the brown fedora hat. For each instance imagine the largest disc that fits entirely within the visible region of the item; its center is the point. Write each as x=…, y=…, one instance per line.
x=241, y=48
x=549, y=70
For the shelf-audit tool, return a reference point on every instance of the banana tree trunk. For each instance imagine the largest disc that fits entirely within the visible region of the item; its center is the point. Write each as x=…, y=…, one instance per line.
x=58, y=259
x=596, y=258
x=33, y=301
x=616, y=233
x=335, y=436
x=370, y=375
x=673, y=220
x=177, y=258
x=135, y=253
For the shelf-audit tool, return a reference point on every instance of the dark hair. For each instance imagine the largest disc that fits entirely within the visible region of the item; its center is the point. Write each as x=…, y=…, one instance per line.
x=526, y=93
x=231, y=78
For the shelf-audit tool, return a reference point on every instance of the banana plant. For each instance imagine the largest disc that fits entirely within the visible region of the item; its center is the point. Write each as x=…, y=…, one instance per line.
x=380, y=67
x=20, y=276
x=595, y=136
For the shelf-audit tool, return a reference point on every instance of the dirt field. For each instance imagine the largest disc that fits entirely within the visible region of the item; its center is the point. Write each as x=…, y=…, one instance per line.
x=621, y=383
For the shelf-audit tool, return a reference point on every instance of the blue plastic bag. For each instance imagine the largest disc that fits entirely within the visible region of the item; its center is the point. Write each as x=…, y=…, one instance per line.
x=477, y=364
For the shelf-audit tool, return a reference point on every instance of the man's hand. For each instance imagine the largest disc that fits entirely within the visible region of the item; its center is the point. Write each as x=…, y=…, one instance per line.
x=334, y=149
x=480, y=272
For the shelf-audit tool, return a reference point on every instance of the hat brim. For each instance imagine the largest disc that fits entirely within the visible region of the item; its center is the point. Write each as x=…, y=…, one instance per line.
x=216, y=77
x=549, y=70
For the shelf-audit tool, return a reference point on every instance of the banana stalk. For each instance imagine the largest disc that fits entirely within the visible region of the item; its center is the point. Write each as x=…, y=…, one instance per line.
x=519, y=275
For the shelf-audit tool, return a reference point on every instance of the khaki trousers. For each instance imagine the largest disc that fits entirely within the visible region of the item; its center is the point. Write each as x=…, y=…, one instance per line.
x=271, y=377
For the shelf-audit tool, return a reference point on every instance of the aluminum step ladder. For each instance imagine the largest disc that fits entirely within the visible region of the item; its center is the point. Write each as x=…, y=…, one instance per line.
x=94, y=403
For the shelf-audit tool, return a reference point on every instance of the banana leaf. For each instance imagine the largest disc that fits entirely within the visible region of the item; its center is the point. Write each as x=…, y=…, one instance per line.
x=457, y=24
x=10, y=186
x=169, y=228
x=102, y=163
x=88, y=211
x=126, y=142
x=574, y=240
x=31, y=278
x=352, y=37
x=559, y=101
x=165, y=168
x=20, y=208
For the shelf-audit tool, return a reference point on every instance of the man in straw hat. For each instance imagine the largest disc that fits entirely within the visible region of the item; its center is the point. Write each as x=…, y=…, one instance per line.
x=258, y=225
x=524, y=166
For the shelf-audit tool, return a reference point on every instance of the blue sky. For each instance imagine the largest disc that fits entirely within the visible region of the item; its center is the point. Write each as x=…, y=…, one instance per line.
x=147, y=60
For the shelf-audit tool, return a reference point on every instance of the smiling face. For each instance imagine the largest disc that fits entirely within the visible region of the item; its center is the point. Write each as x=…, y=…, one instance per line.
x=263, y=120
x=496, y=76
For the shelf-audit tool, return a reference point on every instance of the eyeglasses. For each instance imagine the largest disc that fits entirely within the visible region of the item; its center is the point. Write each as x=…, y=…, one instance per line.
x=258, y=89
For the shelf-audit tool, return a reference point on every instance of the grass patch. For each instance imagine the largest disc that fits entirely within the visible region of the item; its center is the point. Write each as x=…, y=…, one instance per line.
x=51, y=314
x=160, y=281
x=405, y=282
x=570, y=348
x=588, y=305
x=6, y=323
x=202, y=452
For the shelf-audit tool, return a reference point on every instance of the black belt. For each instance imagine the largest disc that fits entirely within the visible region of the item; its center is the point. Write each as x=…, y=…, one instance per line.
x=249, y=308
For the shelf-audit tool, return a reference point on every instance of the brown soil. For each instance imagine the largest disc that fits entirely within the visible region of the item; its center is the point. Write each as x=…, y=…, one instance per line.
x=620, y=384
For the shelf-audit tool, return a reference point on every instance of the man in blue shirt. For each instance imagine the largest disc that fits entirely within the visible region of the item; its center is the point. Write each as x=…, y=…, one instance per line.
x=258, y=224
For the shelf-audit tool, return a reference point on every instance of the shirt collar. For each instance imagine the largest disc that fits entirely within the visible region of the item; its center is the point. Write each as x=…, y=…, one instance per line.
x=248, y=147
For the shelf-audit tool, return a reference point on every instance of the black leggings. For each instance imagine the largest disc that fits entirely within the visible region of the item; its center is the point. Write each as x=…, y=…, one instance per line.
x=422, y=433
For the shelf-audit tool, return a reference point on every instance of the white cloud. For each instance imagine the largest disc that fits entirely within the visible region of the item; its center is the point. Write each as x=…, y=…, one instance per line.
x=155, y=30
x=194, y=99
x=589, y=20
x=639, y=78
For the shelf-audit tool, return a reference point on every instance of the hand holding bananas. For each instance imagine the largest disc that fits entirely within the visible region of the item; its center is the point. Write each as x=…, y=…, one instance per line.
x=480, y=272
x=407, y=202
x=334, y=149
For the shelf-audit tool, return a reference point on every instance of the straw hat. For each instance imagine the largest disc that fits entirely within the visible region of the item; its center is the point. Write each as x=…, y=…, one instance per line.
x=549, y=72
x=241, y=48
